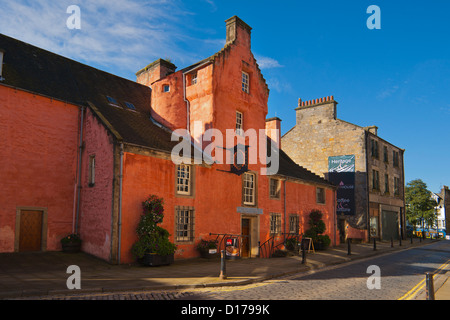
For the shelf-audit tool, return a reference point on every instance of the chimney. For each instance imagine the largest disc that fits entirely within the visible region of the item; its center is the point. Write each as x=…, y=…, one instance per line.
x=2, y=53
x=316, y=110
x=274, y=123
x=155, y=71
x=238, y=31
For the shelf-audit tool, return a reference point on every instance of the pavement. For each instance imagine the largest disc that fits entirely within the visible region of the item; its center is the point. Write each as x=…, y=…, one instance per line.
x=37, y=274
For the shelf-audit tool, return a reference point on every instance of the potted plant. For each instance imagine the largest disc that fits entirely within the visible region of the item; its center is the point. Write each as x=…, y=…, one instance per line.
x=208, y=249
x=315, y=232
x=292, y=244
x=71, y=243
x=153, y=247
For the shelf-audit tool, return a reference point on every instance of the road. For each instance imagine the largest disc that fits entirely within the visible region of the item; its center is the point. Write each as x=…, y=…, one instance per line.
x=399, y=272
x=401, y=275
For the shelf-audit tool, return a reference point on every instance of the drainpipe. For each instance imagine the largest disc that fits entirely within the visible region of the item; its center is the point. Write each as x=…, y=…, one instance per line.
x=80, y=147
x=188, y=108
x=120, y=201
x=284, y=192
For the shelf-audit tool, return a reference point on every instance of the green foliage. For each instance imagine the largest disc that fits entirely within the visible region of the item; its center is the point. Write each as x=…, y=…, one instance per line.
x=419, y=204
x=151, y=237
x=292, y=244
x=316, y=228
x=205, y=245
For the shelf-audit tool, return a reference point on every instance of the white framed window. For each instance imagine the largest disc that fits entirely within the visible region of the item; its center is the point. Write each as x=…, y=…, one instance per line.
x=184, y=179
x=249, y=188
x=245, y=82
x=166, y=88
x=275, y=223
x=320, y=195
x=91, y=170
x=184, y=224
x=294, y=224
x=194, y=78
x=274, y=188
x=239, y=123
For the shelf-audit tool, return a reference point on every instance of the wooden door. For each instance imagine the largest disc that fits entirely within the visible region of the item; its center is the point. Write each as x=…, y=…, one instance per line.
x=30, y=230
x=245, y=250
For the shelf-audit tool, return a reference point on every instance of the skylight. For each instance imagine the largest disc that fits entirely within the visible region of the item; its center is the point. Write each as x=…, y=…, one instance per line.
x=112, y=100
x=130, y=105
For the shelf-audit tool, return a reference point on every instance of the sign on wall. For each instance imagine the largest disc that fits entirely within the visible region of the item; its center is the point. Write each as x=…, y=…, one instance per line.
x=341, y=171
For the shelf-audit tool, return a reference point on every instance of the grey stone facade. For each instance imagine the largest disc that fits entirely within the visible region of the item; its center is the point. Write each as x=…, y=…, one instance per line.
x=319, y=134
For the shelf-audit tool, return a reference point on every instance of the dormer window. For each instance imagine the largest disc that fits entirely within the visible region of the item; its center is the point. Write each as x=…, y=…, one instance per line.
x=245, y=82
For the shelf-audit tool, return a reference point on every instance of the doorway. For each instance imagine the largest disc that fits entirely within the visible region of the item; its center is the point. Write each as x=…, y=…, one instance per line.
x=245, y=248
x=30, y=230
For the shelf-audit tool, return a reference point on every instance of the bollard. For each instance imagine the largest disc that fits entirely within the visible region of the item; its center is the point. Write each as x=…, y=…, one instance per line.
x=303, y=253
x=223, y=273
x=349, y=248
x=374, y=244
x=392, y=242
x=400, y=241
x=430, y=286
x=411, y=239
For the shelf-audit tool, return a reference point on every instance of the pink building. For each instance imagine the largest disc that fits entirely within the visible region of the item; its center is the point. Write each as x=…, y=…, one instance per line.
x=84, y=148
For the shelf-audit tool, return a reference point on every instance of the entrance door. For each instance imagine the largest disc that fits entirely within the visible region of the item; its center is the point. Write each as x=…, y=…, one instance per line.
x=30, y=230
x=245, y=249
x=389, y=225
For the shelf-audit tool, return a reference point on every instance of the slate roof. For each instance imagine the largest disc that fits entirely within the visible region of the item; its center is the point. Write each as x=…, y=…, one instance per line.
x=42, y=72
x=39, y=71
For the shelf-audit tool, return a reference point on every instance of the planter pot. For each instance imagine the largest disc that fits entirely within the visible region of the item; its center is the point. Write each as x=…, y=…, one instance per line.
x=209, y=254
x=71, y=247
x=154, y=260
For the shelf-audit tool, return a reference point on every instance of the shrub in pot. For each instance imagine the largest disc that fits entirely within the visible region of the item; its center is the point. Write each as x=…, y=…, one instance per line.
x=153, y=246
x=71, y=243
x=208, y=249
x=315, y=232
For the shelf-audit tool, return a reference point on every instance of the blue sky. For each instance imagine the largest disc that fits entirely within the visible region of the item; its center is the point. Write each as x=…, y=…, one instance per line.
x=397, y=77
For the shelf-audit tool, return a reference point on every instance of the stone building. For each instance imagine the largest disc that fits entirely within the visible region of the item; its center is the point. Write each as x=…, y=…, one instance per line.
x=368, y=169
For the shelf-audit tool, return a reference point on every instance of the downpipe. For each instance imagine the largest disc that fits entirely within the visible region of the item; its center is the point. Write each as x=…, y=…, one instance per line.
x=120, y=204
x=80, y=149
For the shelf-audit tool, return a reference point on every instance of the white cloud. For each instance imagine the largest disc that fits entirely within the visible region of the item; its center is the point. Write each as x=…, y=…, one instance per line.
x=267, y=63
x=278, y=85
x=120, y=35
x=387, y=92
